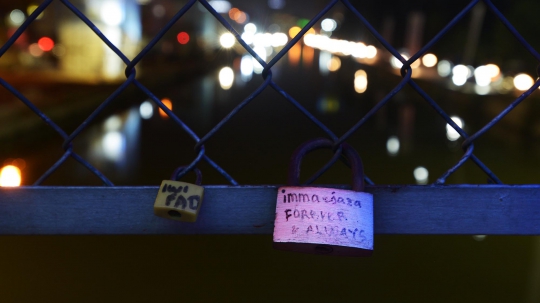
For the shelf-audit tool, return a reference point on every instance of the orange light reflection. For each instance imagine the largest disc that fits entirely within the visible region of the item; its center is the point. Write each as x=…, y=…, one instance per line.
x=168, y=104
x=232, y=12
x=307, y=55
x=240, y=17
x=293, y=31
x=10, y=176
x=294, y=54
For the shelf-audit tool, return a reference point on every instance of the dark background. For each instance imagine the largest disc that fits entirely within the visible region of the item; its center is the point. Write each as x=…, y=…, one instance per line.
x=255, y=147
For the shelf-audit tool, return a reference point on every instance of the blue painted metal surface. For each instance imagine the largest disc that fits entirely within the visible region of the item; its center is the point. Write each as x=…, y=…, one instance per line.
x=463, y=209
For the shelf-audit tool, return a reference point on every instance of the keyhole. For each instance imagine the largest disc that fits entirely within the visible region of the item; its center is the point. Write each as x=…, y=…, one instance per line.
x=324, y=249
x=174, y=213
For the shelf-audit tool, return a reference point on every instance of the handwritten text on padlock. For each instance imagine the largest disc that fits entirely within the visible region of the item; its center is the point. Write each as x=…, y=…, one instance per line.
x=181, y=201
x=300, y=197
x=324, y=216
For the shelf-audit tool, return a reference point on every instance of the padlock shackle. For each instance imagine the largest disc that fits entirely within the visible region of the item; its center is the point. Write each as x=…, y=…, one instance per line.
x=181, y=171
x=357, y=166
x=348, y=151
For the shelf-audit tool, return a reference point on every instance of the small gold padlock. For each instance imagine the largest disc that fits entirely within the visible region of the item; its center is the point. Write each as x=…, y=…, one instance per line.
x=178, y=200
x=324, y=220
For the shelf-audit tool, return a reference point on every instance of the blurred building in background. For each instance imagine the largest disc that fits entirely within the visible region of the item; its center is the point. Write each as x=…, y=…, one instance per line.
x=86, y=56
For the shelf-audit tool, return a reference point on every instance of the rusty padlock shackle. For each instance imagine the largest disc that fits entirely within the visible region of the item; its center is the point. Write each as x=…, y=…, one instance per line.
x=347, y=150
x=183, y=170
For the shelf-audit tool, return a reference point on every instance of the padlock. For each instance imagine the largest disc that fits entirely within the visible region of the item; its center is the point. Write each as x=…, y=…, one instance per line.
x=178, y=200
x=324, y=220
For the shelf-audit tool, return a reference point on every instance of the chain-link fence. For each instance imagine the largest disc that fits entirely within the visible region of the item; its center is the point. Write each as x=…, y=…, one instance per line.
x=407, y=72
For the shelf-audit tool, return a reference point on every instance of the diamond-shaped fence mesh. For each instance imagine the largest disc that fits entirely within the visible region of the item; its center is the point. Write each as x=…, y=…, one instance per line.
x=280, y=105
x=270, y=83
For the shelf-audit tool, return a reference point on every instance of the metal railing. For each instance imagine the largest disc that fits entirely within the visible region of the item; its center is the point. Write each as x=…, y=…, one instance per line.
x=407, y=71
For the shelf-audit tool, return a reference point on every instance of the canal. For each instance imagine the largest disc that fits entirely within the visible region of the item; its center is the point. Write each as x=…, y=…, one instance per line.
x=133, y=144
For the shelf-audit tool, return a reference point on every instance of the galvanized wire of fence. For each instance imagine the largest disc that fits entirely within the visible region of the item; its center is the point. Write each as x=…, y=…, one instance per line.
x=406, y=73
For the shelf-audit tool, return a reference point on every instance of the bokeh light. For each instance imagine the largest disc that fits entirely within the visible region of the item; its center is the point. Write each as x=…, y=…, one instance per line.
x=46, y=44
x=494, y=71
x=31, y=8
x=451, y=133
x=240, y=17
x=113, y=123
x=168, y=104
x=35, y=50
x=523, y=82
x=114, y=145
x=16, y=17
x=444, y=68
x=261, y=51
x=293, y=31
x=227, y=40
x=392, y=146
x=371, y=52
x=396, y=63
x=111, y=13
x=250, y=28
x=279, y=39
x=334, y=64
x=226, y=78
x=360, y=81
x=460, y=74
x=10, y=176
x=429, y=60
x=482, y=75
x=328, y=25
x=221, y=6
x=421, y=174
x=146, y=110
x=246, y=67
x=182, y=38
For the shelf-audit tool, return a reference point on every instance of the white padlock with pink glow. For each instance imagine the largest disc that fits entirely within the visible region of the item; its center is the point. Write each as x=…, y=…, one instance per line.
x=324, y=220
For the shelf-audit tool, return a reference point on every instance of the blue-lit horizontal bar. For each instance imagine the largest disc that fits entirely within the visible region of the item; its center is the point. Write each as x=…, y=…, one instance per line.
x=458, y=209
